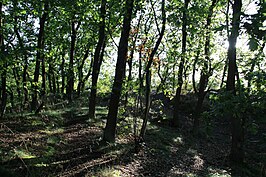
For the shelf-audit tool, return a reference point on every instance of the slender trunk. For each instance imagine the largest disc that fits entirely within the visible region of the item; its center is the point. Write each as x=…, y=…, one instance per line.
x=205, y=72
x=94, y=91
x=11, y=95
x=80, y=71
x=237, y=130
x=82, y=87
x=228, y=35
x=224, y=73
x=63, y=74
x=194, y=72
x=130, y=63
x=97, y=61
x=24, y=80
x=57, y=84
x=17, y=79
x=140, y=90
x=140, y=74
x=53, y=81
x=50, y=77
x=25, y=64
x=186, y=68
x=3, y=96
x=43, y=87
x=3, y=89
x=175, y=121
x=43, y=90
x=148, y=74
x=70, y=78
x=163, y=79
x=201, y=96
x=39, y=57
x=110, y=128
x=129, y=78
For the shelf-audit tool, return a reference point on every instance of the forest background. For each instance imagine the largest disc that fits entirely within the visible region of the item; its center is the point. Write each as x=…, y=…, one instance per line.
x=129, y=64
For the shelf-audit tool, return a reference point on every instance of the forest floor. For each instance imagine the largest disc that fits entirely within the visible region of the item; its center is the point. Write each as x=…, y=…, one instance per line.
x=63, y=143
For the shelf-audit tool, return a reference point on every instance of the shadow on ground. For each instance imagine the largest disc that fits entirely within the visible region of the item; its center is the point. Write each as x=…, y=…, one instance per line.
x=32, y=148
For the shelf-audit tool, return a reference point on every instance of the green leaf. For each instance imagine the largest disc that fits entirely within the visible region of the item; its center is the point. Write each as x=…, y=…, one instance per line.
x=24, y=12
x=253, y=44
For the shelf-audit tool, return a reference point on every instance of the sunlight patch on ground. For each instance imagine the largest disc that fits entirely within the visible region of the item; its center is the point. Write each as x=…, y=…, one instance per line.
x=178, y=140
x=23, y=154
x=52, y=132
x=217, y=173
x=41, y=165
x=198, y=162
x=108, y=172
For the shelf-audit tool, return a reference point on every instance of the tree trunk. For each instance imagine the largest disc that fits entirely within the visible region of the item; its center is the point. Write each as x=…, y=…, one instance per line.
x=97, y=61
x=194, y=71
x=148, y=74
x=224, y=73
x=110, y=128
x=63, y=74
x=25, y=64
x=17, y=79
x=3, y=95
x=53, y=81
x=140, y=90
x=39, y=57
x=237, y=130
x=80, y=71
x=43, y=90
x=50, y=77
x=70, y=78
x=163, y=79
x=175, y=120
x=25, y=57
x=130, y=62
x=3, y=89
x=205, y=72
x=82, y=86
x=57, y=84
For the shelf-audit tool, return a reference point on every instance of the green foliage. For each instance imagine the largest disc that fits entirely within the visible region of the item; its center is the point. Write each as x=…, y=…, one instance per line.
x=253, y=44
x=250, y=108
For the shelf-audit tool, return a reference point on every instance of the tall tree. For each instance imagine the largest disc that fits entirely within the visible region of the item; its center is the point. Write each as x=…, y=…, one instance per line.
x=175, y=120
x=97, y=60
x=109, y=132
x=63, y=74
x=148, y=73
x=237, y=151
x=3, y=93
x=130, y=59
x=206, y=70
x=39, y=56
x=80, y=71
x=24, y=52
x=70, y=79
